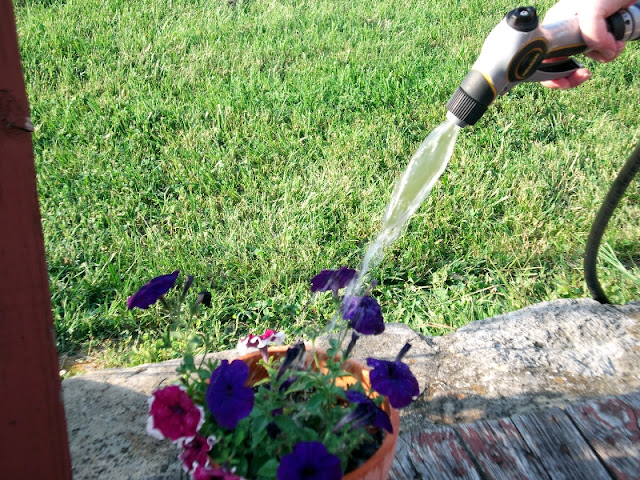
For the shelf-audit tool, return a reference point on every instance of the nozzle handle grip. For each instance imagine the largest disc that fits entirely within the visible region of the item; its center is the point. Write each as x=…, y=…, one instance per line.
x=625, y=24
x=615, y=25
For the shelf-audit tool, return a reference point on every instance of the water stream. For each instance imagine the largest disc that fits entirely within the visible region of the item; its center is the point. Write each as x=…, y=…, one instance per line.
x=424, y=169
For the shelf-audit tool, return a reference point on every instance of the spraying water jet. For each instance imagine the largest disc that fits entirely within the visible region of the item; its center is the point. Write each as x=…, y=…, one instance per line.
x=519, y=49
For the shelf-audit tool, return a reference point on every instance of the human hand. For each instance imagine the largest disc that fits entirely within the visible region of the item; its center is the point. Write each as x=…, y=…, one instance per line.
x=603, y=47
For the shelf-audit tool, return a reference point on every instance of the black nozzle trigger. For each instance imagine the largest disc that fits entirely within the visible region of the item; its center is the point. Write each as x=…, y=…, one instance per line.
x=552, y=70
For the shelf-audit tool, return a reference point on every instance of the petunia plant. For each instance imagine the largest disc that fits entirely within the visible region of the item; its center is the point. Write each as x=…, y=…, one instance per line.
x=299, y=421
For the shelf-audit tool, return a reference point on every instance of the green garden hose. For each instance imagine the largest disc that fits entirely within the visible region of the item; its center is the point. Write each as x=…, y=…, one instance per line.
x=610, y=203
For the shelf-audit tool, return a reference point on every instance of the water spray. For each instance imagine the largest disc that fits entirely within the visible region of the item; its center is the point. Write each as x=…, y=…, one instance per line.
x=518, y=49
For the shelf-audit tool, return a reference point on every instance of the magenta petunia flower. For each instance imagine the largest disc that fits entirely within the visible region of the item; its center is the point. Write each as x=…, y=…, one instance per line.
x=332, y=280
x=173, y=414
x=213, y=473
x=364, y=314
x=393, y=380
x=195, y=452
x=309, y=461
x=152, y=291
x=227, y=397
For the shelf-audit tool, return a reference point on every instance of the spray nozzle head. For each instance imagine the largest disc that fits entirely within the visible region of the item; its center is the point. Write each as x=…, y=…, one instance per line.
x=471, y=99
x=510, y=54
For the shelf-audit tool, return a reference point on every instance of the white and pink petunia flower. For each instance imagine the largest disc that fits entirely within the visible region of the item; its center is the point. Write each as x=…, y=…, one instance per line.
x=195, y=452
x=252, y=342
x=214, y=473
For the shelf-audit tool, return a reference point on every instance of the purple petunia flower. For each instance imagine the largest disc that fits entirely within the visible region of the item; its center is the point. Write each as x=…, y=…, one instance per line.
x=309, y=461
x=173, y=414
x=294, y=354
x=152, y=291
x=332, y=280
x=227, y=397
x=195, y=452
x=364, y=313
x=393, y=380
x=352, y=344
x=204, y=298
x=366, y=413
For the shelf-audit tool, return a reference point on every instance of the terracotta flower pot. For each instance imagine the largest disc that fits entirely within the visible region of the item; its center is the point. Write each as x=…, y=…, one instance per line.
x=379, y=465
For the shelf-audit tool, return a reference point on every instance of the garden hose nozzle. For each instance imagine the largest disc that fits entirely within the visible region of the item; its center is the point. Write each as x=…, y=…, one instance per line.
x=515, y=51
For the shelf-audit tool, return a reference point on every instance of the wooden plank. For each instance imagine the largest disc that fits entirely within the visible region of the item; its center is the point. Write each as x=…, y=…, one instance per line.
x=434, y=454
x=611, y=428
x=633, y=400
x=500, y=451
x=402, y=468
x=559, y=446
x=32, y=425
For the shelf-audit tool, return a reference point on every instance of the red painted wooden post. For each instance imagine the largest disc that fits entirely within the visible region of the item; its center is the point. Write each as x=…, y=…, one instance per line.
x=32, y=426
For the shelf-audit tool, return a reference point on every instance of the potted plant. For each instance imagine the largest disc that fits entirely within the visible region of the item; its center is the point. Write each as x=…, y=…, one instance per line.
x=285, y=413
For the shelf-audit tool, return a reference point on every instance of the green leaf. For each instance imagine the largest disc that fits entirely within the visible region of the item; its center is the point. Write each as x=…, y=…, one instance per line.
x=257, y=438
x=314, y=405
x=240, y=433
x=259, y=422
x=268, y=470
x=242, y=465
x=195, y=340
x=286, y=424
x=334, y=347
x=188, y=363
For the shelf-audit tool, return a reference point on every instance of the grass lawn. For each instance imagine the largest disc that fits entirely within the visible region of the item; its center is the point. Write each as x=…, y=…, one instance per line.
x=254, y=143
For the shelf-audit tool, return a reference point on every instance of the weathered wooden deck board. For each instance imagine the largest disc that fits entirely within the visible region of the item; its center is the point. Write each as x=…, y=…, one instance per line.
x=437, y=453
x=632, y=399
x=500, y=451
x=611, y=428
x=598, y=439
x=559, y=446
x=403, y=465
